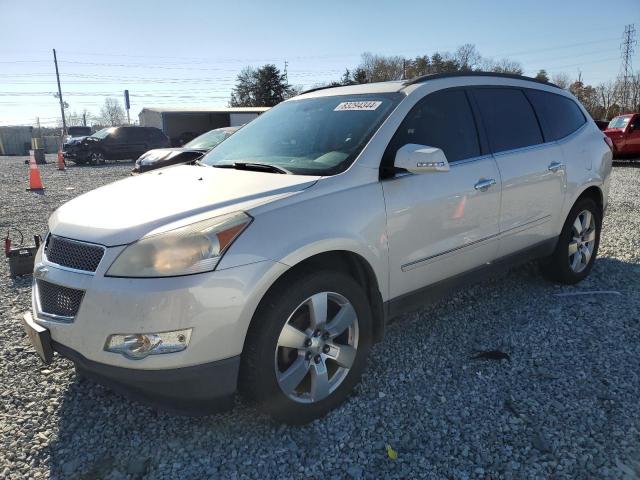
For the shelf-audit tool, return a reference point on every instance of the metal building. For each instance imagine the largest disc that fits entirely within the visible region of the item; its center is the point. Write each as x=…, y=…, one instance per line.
x=180, y=123
x=15, y=140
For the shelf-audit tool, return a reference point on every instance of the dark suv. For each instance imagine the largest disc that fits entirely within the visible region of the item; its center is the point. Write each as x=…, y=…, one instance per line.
x=115, y=143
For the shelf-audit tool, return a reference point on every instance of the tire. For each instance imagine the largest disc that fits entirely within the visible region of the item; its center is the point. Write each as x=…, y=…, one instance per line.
x=570, y=268
x=301, y=382
x=96, y=157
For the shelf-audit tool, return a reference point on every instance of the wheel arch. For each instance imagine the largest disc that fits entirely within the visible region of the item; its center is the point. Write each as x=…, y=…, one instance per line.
x=345, y=261
x=594, y=192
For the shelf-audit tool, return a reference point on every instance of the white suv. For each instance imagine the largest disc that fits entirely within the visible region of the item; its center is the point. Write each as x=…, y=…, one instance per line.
x=272, y=265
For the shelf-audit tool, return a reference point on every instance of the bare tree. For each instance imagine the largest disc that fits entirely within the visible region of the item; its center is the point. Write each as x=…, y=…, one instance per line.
x=607, y=96
x=111, y=113
x=380, y=68
x=468, y=57
x=634, y=93
x=504, y=65
x=561, y=79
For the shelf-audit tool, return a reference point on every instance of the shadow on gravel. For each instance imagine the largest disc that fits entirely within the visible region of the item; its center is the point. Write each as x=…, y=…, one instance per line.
x=635, y=163
x=107, y=164
x=563, y=398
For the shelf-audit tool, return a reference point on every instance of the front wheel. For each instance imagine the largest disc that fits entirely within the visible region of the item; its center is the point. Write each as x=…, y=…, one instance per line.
x=96, y=158
x=577, y=245
x=307, y=346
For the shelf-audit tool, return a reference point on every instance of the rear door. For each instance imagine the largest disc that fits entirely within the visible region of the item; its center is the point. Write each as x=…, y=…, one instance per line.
x=440, y=223
x=532, y=171
x=136, y=143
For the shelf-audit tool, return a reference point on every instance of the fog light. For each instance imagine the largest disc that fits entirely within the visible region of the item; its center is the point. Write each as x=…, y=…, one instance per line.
x=140, y=345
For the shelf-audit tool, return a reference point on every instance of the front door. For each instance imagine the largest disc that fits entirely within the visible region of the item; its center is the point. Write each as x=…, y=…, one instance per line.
x=441, y=223
x=632, y=141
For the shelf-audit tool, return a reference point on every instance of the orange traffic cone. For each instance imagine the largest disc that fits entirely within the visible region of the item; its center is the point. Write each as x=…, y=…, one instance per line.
x=35, y=182
x=61, y=164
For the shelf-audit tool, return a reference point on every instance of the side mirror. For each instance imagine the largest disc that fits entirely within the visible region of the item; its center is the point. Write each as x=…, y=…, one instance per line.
x=421, y=159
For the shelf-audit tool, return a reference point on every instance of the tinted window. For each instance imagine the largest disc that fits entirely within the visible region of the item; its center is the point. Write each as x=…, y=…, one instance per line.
x=135, y=134
x=508, y=118
x=155, y=134
x=558, y=115
x=443, y=120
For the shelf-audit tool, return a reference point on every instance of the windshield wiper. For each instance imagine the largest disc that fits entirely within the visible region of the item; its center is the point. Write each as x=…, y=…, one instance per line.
x=259, y=167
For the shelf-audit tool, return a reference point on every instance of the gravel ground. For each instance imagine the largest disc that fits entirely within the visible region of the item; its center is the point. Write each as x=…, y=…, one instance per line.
x=565, y=405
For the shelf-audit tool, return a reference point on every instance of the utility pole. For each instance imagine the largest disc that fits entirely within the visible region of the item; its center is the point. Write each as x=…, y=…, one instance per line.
x=127, y=105
x=84, y=118
x=286, y=78
x=64, y=121
x=626, y=69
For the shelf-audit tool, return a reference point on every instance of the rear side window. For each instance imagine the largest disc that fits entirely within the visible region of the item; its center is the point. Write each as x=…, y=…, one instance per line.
x=508, y=118
x=156, y=135
x=443, y=120
x=136, y=134
x=559, y=116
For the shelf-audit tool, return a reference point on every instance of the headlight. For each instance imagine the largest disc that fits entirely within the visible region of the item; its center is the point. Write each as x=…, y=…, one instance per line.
x=185, y=250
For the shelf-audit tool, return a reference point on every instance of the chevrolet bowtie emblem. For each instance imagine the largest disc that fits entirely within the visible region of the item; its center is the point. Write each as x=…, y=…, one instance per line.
x=40, y=271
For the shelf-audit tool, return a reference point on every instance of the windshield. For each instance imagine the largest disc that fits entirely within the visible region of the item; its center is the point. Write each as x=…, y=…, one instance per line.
x=210, y=139
x=619, y=122
x=315, y=136
x=102, y=133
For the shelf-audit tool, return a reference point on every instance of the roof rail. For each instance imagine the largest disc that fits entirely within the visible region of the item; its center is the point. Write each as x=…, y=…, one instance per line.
x=315, y=89
x=435, y=76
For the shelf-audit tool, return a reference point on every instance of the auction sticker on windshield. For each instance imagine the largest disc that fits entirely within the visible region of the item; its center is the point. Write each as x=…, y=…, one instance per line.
x=345, y=106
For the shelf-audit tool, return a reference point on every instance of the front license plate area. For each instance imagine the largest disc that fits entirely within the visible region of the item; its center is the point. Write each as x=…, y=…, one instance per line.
x=39, y=337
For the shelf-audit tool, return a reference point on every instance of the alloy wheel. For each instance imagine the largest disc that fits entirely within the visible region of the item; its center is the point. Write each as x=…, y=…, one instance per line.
x=98, y=158
x=316, y=347
x=582, y=241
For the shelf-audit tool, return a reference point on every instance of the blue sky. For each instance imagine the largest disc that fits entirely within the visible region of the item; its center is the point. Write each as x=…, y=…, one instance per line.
x=189, y=53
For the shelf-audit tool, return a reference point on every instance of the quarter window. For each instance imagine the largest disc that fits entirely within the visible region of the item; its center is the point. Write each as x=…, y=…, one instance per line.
x=443, y=120
x=559, y=116
x=508, y=118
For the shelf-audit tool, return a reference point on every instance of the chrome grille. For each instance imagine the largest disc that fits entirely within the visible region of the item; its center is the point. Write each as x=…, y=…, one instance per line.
x=58, y=300
x=73, y=254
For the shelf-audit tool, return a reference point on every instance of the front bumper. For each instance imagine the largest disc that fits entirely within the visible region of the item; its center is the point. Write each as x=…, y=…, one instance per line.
x=199, y=389
x=217, y=306
x=72, y=153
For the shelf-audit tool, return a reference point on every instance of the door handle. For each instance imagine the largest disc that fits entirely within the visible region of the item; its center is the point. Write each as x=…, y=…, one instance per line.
x=555, y=166
x=484, y=184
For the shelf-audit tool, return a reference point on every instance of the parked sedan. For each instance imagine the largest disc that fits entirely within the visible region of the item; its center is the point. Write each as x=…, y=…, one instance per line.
x=196, y=148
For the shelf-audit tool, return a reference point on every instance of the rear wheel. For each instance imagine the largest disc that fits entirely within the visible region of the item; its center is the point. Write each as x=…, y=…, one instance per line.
x=307, y=346
x=577, y=245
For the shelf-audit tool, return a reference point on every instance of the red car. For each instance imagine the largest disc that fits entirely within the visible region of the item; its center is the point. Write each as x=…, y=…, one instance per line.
x=624, y=132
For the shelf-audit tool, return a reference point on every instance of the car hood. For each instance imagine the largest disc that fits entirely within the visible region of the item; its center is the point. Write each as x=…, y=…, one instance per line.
x=124, y=211
x=614, y=131
x=73, y=140
x=162, y=154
